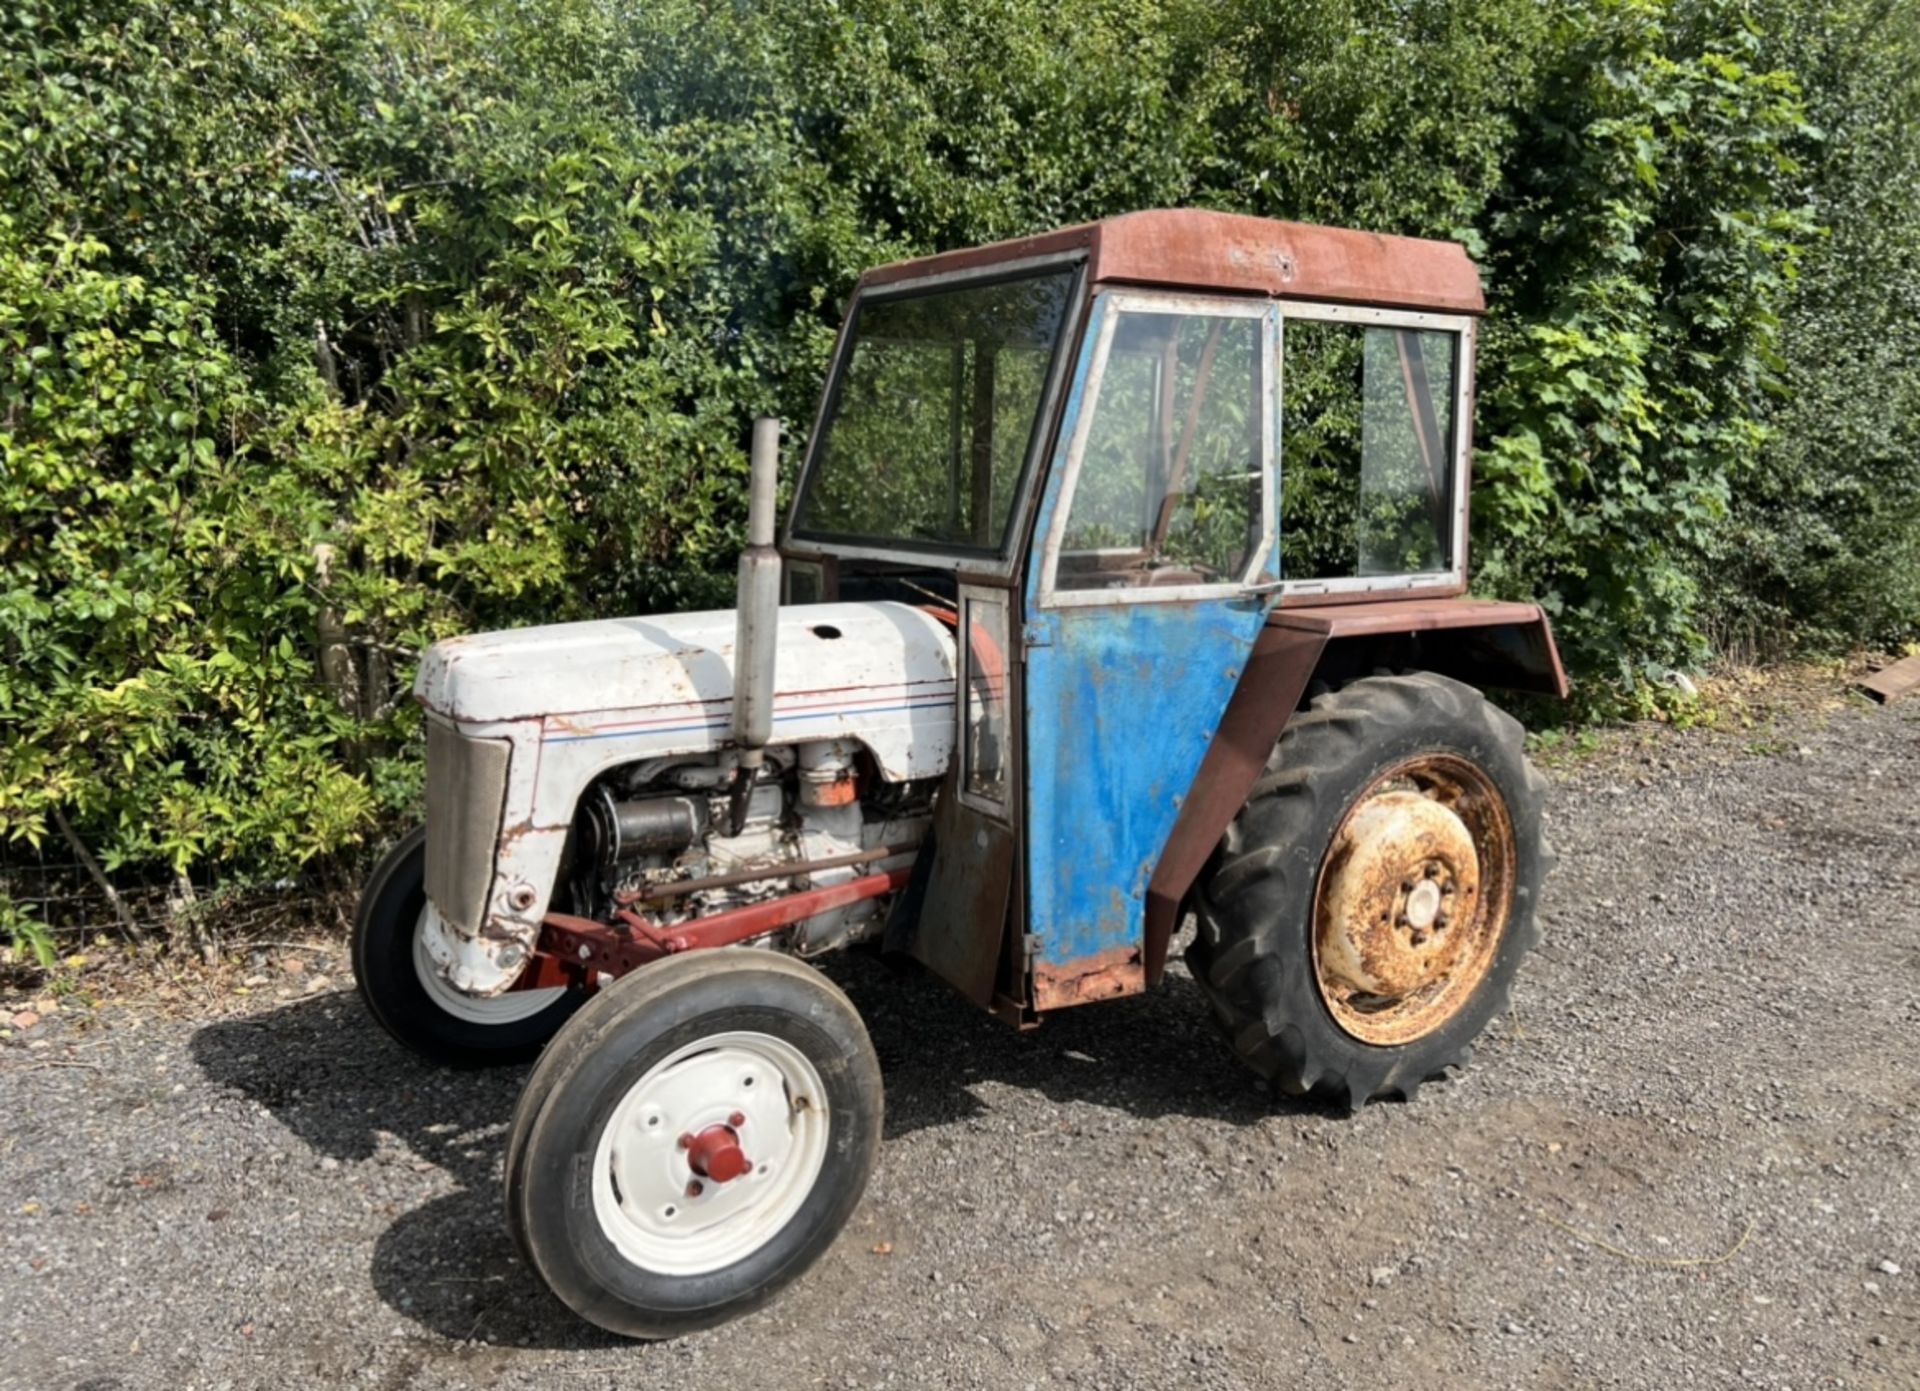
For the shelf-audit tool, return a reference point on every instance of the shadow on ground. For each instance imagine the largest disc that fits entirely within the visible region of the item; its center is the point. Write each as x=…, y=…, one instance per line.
x=326, y=1072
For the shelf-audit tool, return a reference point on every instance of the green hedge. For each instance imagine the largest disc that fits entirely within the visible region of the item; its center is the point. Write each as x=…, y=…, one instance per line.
x=335, y=326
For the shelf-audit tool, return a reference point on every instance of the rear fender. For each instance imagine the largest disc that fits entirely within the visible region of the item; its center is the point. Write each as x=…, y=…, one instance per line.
x=1485, y=643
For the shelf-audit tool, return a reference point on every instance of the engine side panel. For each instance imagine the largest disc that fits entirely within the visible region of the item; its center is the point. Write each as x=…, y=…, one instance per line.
x=575, y=701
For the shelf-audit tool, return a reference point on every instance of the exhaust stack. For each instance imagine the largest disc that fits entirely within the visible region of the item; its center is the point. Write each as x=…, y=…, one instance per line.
x=758, y=604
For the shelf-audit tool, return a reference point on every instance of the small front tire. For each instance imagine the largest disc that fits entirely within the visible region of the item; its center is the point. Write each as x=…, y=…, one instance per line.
x=410, y=999
x=693, y=1141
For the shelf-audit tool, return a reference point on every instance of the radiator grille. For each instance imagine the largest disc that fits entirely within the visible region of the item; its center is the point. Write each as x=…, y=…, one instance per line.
x=466, y=792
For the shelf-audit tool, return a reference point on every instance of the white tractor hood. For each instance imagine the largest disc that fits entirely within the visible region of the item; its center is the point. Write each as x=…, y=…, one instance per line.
x=882, y=673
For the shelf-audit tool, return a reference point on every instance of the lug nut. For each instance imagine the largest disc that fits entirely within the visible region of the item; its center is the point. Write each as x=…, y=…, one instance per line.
x=686, y=1142
x=695, y=1189
x=737, y=1119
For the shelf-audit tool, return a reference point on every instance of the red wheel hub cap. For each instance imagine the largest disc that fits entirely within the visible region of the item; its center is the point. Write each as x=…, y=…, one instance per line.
x=715, y=1154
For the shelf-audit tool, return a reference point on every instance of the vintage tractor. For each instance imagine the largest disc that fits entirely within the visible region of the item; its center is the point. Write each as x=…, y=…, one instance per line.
x=1124, y=581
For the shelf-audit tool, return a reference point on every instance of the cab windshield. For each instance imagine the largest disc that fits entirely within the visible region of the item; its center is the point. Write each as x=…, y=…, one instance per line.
x=933, y=416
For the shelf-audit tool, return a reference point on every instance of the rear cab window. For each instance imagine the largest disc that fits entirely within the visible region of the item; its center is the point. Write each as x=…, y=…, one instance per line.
x=1373, y=450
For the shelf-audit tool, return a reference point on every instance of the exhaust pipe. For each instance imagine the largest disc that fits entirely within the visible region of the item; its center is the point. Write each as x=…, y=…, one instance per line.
x=758, y=605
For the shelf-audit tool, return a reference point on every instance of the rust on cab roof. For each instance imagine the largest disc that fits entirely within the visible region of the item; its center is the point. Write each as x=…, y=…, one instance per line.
x=1193, y=249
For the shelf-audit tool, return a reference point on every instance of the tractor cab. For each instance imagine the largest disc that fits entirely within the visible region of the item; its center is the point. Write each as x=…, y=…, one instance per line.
x=1115, y=457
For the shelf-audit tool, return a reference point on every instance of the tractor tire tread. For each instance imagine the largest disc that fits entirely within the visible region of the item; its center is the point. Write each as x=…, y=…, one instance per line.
x=1254, y=965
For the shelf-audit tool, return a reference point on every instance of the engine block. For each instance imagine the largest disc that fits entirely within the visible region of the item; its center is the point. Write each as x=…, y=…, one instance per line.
x=684, y=838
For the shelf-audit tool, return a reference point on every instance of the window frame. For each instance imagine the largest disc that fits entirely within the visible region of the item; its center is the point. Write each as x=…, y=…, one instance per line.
x=996, y=561
x=969, y=598
x=1109, y=306
x=1465, y=328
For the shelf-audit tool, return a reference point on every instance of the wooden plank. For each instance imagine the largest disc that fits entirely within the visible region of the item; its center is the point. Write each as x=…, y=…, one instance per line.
x=1891, y=683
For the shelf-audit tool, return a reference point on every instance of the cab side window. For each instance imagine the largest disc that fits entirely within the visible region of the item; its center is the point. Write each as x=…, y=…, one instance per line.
x=1368, y=450
x=1170, y=489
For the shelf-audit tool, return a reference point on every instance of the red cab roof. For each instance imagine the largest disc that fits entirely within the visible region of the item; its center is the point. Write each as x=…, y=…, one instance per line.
x=1191, y=249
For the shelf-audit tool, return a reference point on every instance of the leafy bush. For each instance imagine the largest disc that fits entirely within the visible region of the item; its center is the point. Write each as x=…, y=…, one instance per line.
x=1823, y=546
x=336, y=326
x=156, y=680
x=1640, y=250
x=28, y=941
x=352, y=338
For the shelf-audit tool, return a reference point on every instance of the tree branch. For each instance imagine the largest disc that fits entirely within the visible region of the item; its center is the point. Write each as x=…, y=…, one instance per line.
x=99, y=875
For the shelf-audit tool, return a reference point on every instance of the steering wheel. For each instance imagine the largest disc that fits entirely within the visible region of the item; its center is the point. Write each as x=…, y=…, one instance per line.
x=1195, y=572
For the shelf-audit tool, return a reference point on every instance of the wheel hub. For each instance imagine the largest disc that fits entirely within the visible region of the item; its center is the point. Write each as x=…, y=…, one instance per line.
x=1403, y=866
x=1424, y=905
x=710, y=1153
x=715, y=1152
x=1412, y=900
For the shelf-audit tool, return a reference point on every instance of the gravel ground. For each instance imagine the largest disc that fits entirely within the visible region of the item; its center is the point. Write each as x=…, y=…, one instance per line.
x=1688, y=1157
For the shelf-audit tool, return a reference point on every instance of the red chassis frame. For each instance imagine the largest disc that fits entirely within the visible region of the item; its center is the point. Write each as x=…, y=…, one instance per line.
x=576, y=952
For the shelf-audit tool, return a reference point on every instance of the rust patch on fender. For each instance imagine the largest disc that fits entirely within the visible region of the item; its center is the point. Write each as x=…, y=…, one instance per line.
x=1105, y=975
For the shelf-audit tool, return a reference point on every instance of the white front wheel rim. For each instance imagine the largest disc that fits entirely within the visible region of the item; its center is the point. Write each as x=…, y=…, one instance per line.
x=509, y=1008
x=666, y=1218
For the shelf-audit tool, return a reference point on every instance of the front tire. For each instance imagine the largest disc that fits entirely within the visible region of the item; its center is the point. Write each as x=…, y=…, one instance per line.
x=1366, y=911
x=410, y=999
x=693, y=1141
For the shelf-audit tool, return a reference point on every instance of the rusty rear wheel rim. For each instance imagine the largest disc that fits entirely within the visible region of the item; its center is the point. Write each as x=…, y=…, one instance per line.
x=1413, y=899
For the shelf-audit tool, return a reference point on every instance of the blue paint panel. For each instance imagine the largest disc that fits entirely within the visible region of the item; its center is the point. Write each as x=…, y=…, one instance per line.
x=1121, y=705
x=1122, y=701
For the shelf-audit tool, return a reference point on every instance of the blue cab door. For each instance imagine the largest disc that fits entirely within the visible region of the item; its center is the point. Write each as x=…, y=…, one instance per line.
x=1152, y=568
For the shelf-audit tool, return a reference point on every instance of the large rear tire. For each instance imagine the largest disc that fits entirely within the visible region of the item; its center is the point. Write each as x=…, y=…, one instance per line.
x=408, y=997
x=693, y=1141
x=1365, y=913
